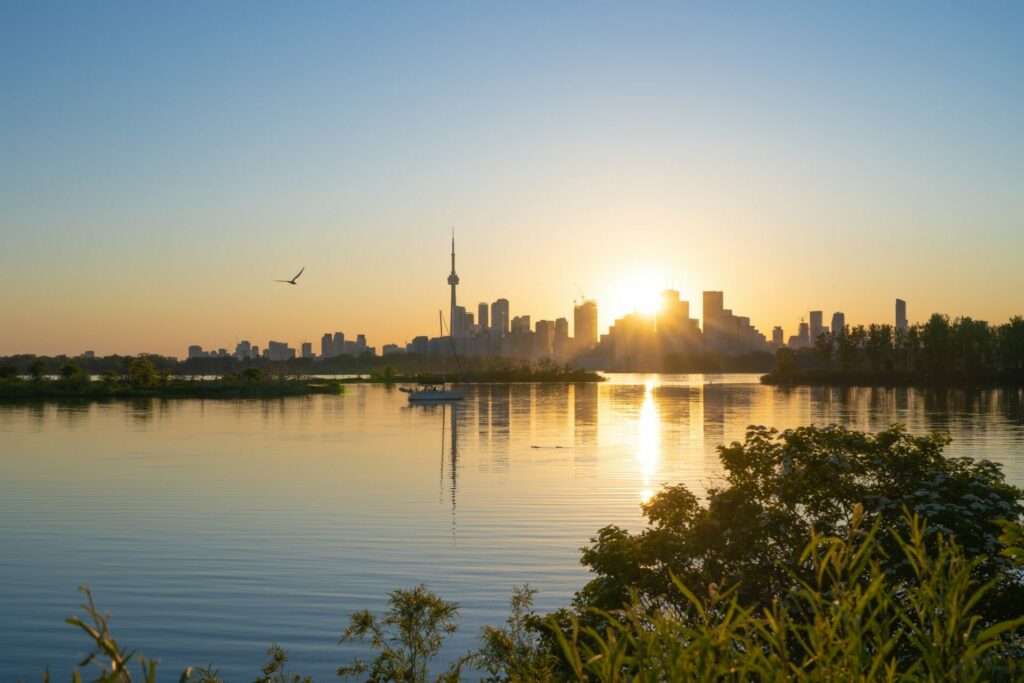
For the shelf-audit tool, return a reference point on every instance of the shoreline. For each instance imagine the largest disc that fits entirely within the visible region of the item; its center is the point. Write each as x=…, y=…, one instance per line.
x=887, y=380
x=79, y=390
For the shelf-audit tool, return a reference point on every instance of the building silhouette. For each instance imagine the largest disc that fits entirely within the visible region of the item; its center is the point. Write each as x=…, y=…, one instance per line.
x=901, y=314
x=838, y=323
x=584, y=316
x=816, y=325
x=500, y=320
x=482, y=320
x=778, y=337
x=453, y=281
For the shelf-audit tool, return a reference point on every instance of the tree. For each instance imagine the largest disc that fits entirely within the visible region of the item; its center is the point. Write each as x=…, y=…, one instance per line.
x=848, y=347
x=780, y=488
x=252, y=375
x=142, y=372
x=937, y=342
x=878, y=347
x=1011, y=345
x=408, y=637
x=824, y=346
x=8, y=372
x=37, y=369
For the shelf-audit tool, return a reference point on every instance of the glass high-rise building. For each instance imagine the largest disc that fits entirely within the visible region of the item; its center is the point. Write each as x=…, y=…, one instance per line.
x=499, y=317
x=585, y=325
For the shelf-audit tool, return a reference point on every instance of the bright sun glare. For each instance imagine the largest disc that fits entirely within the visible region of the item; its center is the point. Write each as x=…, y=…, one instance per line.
x=638, y=295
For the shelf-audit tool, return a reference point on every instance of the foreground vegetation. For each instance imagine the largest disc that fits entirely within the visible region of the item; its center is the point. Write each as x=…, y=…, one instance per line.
x=827, y=554
x=961, y=351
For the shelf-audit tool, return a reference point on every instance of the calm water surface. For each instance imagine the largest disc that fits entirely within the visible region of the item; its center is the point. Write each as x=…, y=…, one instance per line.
x=210, y=529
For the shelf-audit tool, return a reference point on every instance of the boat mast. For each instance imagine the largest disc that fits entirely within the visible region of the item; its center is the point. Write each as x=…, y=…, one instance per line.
x=440, y=326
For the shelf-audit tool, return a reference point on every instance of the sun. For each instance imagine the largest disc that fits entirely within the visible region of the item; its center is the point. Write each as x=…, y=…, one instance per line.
x=636, y=294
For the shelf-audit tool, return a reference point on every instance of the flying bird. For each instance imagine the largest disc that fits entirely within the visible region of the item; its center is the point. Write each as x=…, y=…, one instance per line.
x=292, y=281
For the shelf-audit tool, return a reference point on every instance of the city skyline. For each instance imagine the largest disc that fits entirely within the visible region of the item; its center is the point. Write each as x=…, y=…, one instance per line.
x=163, y=164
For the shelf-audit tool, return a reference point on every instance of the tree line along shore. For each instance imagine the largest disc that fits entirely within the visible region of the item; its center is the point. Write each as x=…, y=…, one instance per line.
x=939, y=352
x=143, y=377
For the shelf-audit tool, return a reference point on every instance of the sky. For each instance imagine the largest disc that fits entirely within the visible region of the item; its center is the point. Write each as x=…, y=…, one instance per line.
x=162, y=163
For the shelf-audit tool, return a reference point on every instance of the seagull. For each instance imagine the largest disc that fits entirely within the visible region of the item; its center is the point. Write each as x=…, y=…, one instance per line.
x=293, y=280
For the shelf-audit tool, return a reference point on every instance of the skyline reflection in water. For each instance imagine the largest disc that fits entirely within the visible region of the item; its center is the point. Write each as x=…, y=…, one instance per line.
x=211, y=529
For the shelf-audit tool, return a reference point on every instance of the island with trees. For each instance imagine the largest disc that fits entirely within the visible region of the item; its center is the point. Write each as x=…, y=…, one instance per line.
x=156, y=376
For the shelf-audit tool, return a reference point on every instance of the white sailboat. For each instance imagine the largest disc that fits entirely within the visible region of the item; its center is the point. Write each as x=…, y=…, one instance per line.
x=434, y=393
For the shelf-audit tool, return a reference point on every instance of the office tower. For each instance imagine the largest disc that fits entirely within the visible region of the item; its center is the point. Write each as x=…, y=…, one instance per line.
x=561, y=343
x=585, y=325
x=715, y=336
x=838, y=323
x=307, y=349
x=457, y=323
x=804, y=336
x=350, y=348
x=255, y=352
x=453, y=280
x=338, y=345
x=545, y=338
x=778, y=337
x=326, y=346
x=481, y=317
x=675, y=330
x=420, y=345
x=360, y=344
x=242, y=349
x=279, y=351
x=500, y=317
x=521, y=324
x=195, y=351
x=561, y=328
x=901, y=314
x=470, y=322
x=816, y=326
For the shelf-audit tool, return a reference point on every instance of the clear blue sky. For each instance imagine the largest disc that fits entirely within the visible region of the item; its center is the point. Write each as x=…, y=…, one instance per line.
x=161, y=163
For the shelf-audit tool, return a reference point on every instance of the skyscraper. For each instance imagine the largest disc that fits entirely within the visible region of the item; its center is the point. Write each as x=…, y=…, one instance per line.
x=714, y=310
x=326, y=346
x=545, y=338
x=584, y=321
x=901, y=314
x=457, y=323
x=500, y=318
x=338, y=345
x=817, y=326
x=453, y=280
x=778, y=336
x=561, y=343
x=307, y=349
x=838, y=323
x=481, y=317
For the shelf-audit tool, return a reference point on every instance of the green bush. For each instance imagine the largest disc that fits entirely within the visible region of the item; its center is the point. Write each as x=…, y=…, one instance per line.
x=780, y=488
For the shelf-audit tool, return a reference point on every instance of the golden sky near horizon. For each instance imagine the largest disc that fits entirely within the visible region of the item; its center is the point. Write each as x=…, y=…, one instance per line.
x=163, y=167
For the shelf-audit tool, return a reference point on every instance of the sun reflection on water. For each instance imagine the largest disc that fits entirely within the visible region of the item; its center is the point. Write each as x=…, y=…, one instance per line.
x=648, y=451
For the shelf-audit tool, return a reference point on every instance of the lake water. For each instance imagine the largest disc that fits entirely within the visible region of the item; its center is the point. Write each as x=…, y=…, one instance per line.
x=210, y=529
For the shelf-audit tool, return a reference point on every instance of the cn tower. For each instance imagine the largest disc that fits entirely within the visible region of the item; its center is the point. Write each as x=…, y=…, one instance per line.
x=453, y=280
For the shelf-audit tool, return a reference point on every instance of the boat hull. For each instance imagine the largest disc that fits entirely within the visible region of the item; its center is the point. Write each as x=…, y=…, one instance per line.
x=427, y=396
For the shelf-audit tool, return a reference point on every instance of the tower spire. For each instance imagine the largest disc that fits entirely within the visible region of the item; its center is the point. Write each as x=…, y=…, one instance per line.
x=453, y=280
